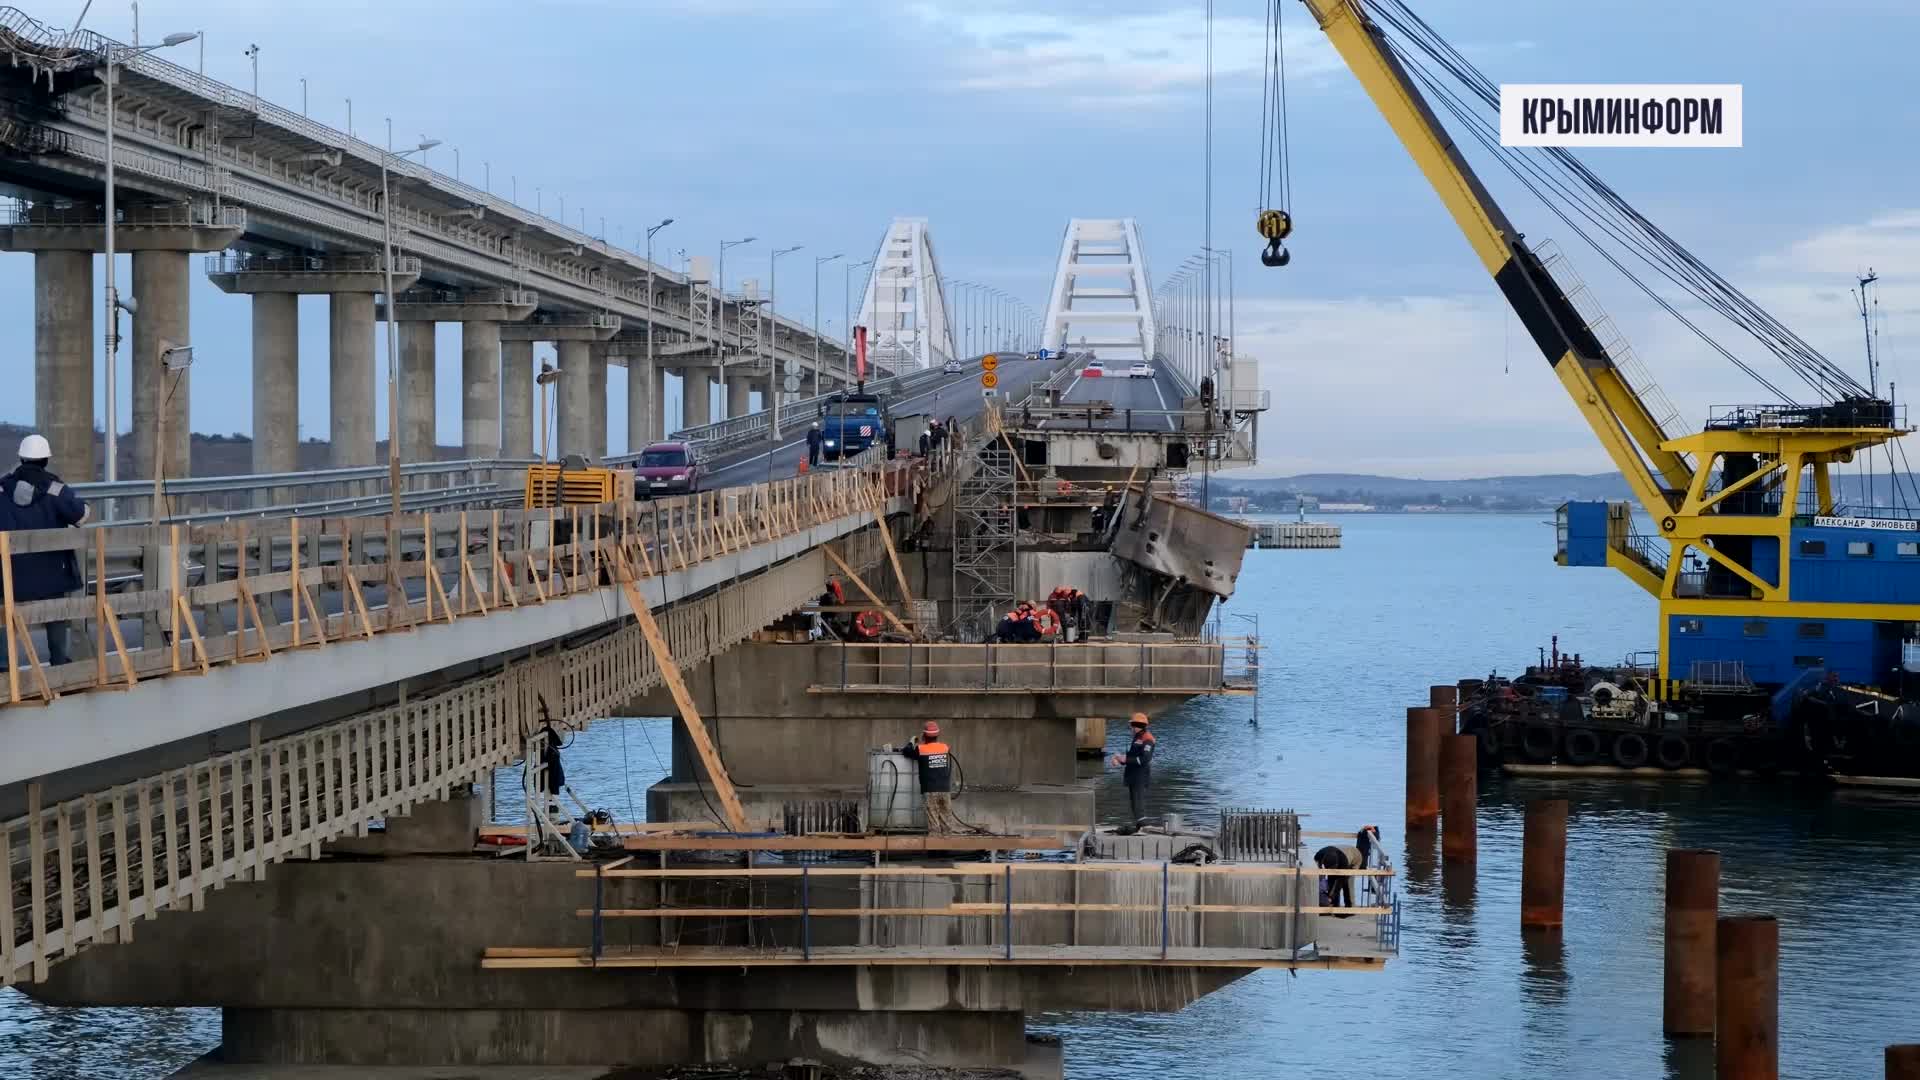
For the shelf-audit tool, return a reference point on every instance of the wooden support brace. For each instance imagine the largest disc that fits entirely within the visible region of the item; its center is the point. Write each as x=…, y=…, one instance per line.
x=472, y=600
x=893, y=556
x=730, y=807
x=857, y=580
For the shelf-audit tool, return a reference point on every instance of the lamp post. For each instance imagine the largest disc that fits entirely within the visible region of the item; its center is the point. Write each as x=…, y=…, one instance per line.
x=116, y=54
x=846, y=313
x=393, y=323
x=303, y=95
x=818, y=262
x=773, y=339
x=720, y=293
x=652, y=314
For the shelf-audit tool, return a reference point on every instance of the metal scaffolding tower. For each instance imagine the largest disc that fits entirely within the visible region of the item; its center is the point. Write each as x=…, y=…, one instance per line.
x=985, y=542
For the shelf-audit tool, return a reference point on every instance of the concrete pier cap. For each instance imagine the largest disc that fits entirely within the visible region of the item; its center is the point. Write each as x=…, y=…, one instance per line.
x=567, y=326
x=463, y=305
x=160, y=227
x=247, y=273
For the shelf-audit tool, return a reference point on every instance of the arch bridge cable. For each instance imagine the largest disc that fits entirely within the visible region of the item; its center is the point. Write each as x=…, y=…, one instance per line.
x=1573, y=192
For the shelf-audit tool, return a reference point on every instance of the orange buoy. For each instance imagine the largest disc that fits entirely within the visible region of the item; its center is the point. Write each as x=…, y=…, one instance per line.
x=868, y=623
x=1046, y=621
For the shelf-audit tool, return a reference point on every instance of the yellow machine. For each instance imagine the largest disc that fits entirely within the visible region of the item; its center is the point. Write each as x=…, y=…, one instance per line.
x=1744, y=511
x=558, y=485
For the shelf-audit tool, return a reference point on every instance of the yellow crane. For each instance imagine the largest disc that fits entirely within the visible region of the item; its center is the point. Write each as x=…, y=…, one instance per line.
x=1750, y=496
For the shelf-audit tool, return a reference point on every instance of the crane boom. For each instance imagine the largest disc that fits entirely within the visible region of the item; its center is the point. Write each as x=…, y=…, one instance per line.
x=1626, y=427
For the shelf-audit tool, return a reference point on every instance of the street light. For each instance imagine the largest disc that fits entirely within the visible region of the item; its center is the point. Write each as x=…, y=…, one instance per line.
x=652, y=314
x=393, y=323
x=773, y=339
x=818, y=262
x=119, y=54
x=720, y=292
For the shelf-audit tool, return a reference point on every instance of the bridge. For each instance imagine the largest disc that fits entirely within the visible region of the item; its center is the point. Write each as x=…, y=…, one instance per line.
x=291, y=691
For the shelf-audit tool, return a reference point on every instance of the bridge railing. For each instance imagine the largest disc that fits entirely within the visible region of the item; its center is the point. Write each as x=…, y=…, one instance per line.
x=1178, y=667
x=294, y=582
x=725, y=436
x=426, y=485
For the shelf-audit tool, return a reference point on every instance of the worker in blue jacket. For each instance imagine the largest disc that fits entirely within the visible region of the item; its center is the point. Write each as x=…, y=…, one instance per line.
x=1138, y=766
x=32, y=497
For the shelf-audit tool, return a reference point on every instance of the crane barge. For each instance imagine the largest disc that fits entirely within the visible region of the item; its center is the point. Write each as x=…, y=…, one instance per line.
x=1786, y=618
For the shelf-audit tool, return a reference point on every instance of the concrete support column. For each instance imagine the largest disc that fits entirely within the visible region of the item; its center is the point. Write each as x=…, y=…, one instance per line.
x=160, y=283
x=276, y=382
x=517, y=400
x=575, y=392
x=642, y=405
x=350, y=379
x=696, y=396
x=418, y=433
x=739, y=403
x=480, y=361
x=63, y=360
x=597, y=403
x=657, y=422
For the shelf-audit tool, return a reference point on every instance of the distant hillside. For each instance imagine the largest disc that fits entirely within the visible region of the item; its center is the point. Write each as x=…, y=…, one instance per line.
x=1500, y=493
x=213, y=455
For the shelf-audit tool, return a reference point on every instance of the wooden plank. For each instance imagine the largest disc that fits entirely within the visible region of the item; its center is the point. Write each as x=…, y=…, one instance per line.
x=147, y=886
x=63, y=833
x=857, y=580
x=735, y=814
x=123, y=867
x=1029, y=956
x=95, y=894
x=893, y=556
x=914, y=843
x=194, y=897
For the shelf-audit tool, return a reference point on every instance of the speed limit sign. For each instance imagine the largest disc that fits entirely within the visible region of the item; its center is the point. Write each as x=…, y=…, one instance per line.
x=989, y=380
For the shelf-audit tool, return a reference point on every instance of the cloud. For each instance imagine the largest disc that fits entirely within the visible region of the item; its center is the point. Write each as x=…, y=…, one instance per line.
x=1105, y=58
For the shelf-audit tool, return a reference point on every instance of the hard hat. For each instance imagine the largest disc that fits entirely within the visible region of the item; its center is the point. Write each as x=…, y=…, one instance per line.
x=35, y=448
x=1139, y=719
x=930, y=728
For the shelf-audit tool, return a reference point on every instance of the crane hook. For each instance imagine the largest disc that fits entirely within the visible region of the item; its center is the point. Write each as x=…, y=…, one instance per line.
x=1275, y=226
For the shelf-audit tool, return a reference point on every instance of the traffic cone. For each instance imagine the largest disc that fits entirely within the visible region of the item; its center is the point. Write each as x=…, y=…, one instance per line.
x=803, y=467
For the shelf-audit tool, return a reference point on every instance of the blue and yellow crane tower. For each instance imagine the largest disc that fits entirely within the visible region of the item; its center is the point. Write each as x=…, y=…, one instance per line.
x=1761, y=574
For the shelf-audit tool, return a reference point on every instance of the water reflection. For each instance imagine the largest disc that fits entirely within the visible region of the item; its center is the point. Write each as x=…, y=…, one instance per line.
x=1691, y=1059
x=1422, y=861
x=1543, y=975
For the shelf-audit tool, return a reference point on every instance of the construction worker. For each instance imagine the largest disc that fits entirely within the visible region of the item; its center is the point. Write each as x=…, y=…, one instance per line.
x=813, y=444
x=1364, y=853
x=32, y=497
x=935, y=759
x=1138, y=763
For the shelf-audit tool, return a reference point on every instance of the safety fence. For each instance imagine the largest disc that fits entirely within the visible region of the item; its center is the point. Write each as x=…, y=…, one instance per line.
x=285, y=583
x=84, y=870
x=1020, y=911
x=365, y=489
x=1178, y=667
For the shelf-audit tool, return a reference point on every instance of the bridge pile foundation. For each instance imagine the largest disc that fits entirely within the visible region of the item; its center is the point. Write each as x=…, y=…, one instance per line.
x=276, y=382
x=418, y=433
x=350, y=378
x=517, y=398
x=63, y=299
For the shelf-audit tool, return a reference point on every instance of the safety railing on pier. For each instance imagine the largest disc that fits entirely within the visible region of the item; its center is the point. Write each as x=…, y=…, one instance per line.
x=1023, y=912
x=1183, y=667
x=291, y=582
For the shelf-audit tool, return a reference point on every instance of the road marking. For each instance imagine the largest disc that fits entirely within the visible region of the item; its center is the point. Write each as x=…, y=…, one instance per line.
x=1163, y=403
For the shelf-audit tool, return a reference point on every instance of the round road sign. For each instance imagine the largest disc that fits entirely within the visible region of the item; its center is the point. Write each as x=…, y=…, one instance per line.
x=792, y=384
x=989, y=362
x=989, y=380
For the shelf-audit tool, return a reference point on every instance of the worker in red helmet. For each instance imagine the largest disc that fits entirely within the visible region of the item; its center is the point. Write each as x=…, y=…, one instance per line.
x=1138, y=766
x=935, y=759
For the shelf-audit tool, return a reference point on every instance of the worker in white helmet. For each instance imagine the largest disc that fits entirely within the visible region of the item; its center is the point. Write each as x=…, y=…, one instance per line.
x=32, y=497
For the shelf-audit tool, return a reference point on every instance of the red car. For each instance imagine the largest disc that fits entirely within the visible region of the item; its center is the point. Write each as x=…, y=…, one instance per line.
x=666, y=468
x=1093, y=370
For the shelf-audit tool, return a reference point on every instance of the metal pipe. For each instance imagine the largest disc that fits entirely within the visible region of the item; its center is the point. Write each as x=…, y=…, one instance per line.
x=1447, y=700
x=1459, y=766
x=1746, y=1041
x=1423, y=768
x=1693, y=905
x=1543, y=864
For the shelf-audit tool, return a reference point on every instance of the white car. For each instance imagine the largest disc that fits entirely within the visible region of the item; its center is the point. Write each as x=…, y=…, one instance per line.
x=1140, y=370
x=951, y=367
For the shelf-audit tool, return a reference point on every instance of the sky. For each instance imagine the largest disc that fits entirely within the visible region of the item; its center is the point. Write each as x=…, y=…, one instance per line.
x=815, y=122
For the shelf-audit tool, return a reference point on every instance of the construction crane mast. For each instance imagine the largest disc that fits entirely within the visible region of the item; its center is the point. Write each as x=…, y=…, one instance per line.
x=1734, y=498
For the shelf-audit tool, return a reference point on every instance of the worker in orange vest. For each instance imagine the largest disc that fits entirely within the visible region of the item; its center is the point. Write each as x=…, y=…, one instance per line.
x=935, y=759
x=1138, y=766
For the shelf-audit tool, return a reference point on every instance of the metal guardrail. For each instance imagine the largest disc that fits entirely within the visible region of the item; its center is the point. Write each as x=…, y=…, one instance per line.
x=351, y=492
x=183, y=214
x=725, y=436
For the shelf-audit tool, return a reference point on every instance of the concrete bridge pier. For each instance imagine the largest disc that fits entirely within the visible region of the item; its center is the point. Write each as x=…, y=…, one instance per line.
x=597, y=360
x=696, y=395
x=574, y=394
x=160, y=284
x=517, y=397
x=63, y=300
x=480, y=372
x=480, y=313
x=739, y=395
x=643, y=401
x=657, y=423
x=574, y=338
x=276, y=283
x=419, y=436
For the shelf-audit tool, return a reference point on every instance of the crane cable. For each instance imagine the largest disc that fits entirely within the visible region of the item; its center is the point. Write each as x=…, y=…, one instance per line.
x=1275, y=222
x=1592, y=198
